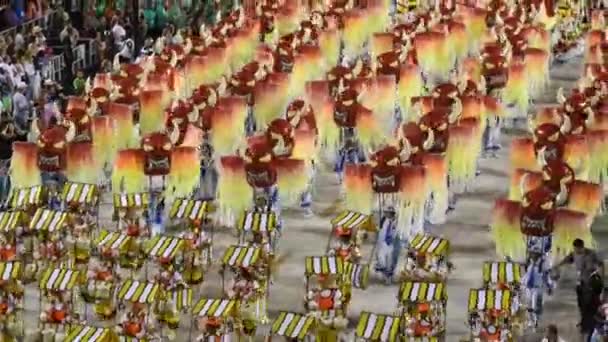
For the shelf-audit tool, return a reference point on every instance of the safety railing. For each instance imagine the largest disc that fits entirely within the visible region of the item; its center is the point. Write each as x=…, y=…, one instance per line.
x=84, y=57
x=42, y=22
x=54, y=68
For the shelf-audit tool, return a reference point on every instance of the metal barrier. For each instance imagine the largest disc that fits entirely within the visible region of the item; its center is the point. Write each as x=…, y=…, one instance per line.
x=54, y=69
x=42, y=22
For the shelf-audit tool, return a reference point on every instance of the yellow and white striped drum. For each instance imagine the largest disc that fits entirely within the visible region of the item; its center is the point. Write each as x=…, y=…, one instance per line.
x=493, y=300
x=375, y=327
x=292, y=325
x=404, y=6
x=86, y=333
x=138, y=292
x=508, y=273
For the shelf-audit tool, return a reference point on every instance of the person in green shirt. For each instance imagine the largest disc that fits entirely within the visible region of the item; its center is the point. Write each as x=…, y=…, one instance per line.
x=212, y=7
x=79, y=83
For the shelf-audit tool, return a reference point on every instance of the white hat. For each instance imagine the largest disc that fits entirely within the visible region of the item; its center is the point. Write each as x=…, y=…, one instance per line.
x=21, y=85
x=37, y=29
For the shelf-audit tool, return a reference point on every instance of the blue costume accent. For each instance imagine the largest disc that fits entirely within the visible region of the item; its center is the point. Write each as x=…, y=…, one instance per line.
x=491, y=136
x=536, y=280
x=156, y=211
x=389, y=247
x=5, y=181
x=250, y=124
x=209, y=174
x=56, y=181
x=272, y=195
x=348, y=155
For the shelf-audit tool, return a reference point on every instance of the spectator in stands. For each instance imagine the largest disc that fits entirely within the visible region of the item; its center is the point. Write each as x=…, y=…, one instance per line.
x=8, y=135
x=101, y=49
x=79, y=83
x=148, y=48
x=34, y=9
x=19, y=40
x=118, y=31
x=66, y=32
x=39, y=39
x=21, y=107
x=142, y=31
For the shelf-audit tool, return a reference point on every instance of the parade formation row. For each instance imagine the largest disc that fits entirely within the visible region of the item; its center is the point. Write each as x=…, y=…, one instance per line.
x=228, y=126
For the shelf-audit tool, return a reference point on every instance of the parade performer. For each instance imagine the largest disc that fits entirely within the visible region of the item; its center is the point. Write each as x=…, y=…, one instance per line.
x=348, y=111
x=328, y=298
x=423, y=324
x=248, y=287
x=301, y=117
x=537, y=279
x=389, y=245
x=56, y=312
x=134, y=322
x=387, y=182
x=52, y=149
x=263, y=170
x=346, y=247
x=198, y=245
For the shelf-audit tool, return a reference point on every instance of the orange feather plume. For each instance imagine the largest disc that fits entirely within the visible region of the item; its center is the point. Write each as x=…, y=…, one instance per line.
x=437, y=180
x=124, y=133
x=75, y=102
x=585, y=197
x=568, y=226
x=548, y=115
x=293, y=176
x=523, y=181
x=102, y=129
x=128, y=174
x=358, y=187
x=234, y=193
x=24, y=165
x=523, y=155
x=506, y=229
x=152, y=115
x=227, y=121
x=82, y=163
x=185, y=175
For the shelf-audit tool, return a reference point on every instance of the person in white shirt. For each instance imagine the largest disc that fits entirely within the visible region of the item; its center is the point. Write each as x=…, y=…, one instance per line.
x=552, y=335
x=21, y=106
x=19, y=41
x=118, y=32
x=65, y=33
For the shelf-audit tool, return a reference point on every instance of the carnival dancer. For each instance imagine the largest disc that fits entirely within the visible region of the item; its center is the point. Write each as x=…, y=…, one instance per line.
x=327, y=296
x=389, y=245
x=248, y=288
x=346, y=247
x=198, y=248
x=53, y=249
x=345, y=117
x=133, y=323
x=169, y=277
x=56, y=312
x=537, y=279
x=209, y=175
x=210, y=328
x=156, y=214
x=100, y=278
x=8, y=249
x=302, y=118
x=423, y=324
